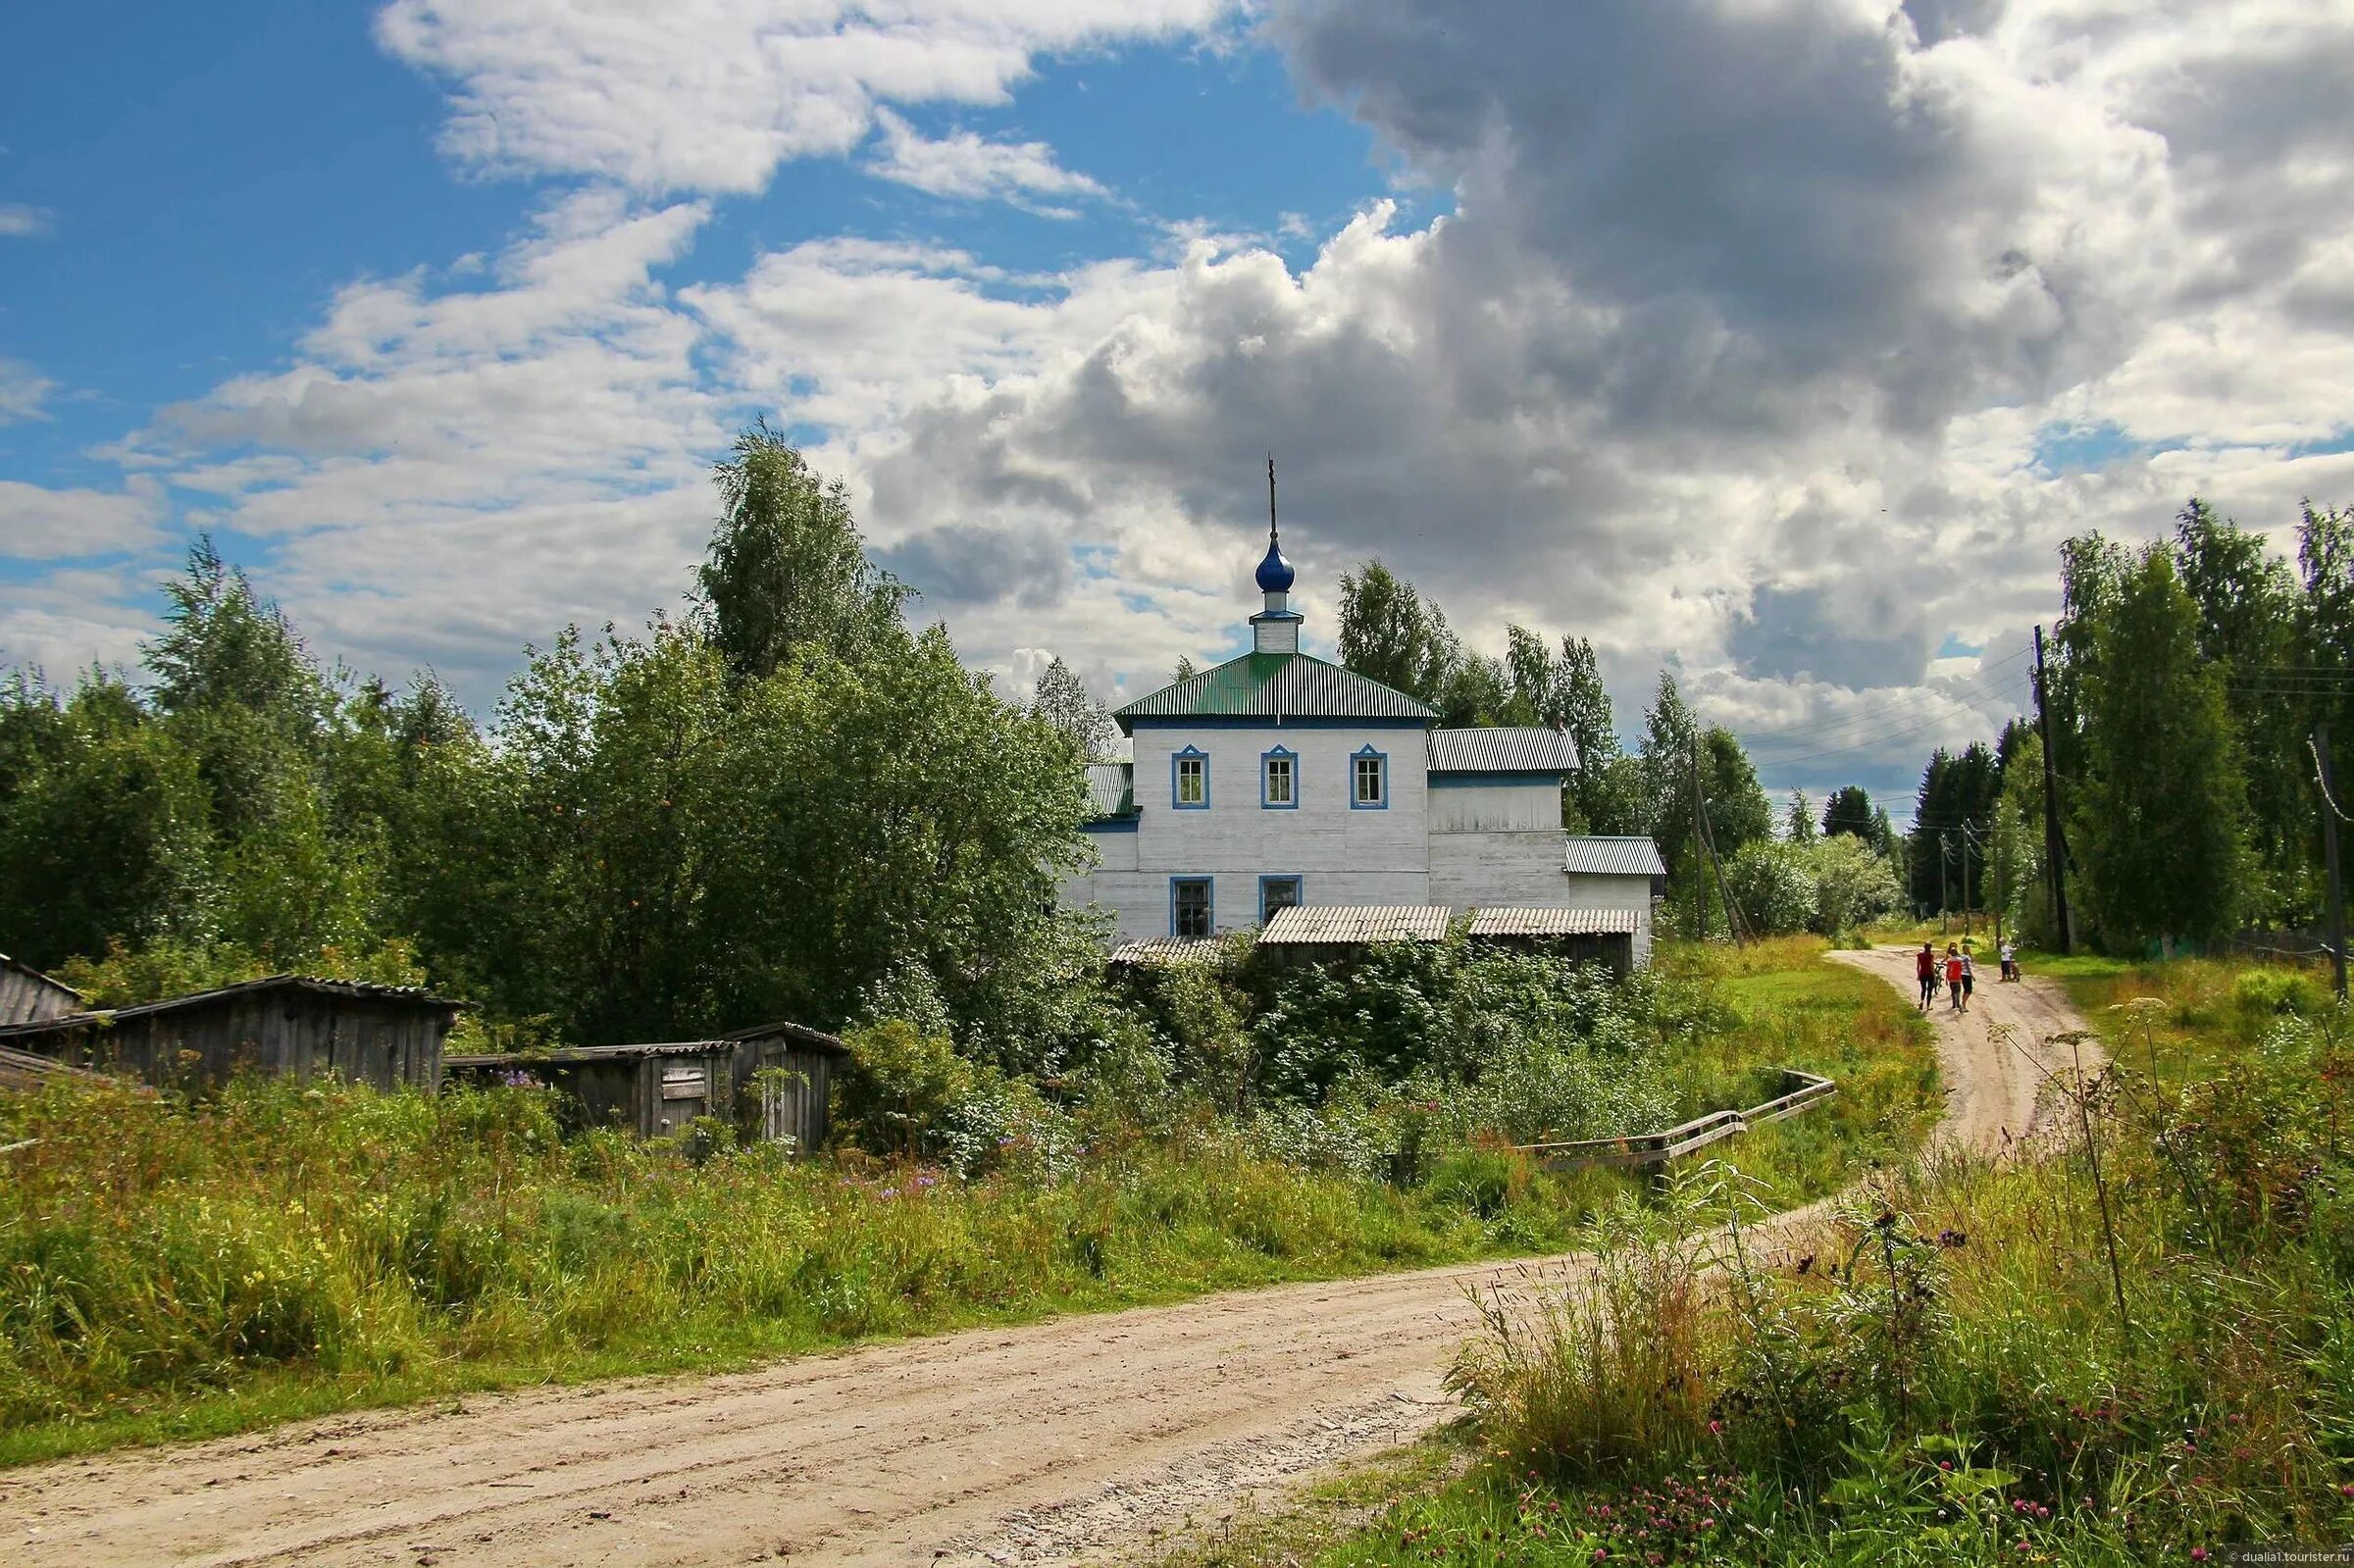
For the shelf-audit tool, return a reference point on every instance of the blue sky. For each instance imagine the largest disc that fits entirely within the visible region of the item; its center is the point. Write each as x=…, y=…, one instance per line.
x=1777, y=346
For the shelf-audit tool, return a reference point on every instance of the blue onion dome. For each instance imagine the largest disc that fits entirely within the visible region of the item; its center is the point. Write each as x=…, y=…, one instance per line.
x=1274, y=573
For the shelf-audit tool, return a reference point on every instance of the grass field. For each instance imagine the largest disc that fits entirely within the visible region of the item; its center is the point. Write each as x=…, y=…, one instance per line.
x=171, y=1269
x=2146, y=1359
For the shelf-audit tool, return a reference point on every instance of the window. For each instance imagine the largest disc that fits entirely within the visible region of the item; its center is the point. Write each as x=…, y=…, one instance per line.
x=1279, y=780
x=1369, y=781
x=1191, y=912
x=1276, y=892
x=1189, y=779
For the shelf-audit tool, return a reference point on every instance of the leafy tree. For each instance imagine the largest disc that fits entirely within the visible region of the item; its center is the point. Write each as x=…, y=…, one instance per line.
x=1853, y=884
x=1797, y=824
x=2161, y=817
x=1063, y=702
x=1774, y=882
x=1185, y=670
x=1738, y=811
x=787, y=569
x=1390, y=635
x=103, y=825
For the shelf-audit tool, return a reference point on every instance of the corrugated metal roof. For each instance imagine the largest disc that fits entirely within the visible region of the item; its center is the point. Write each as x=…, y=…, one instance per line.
x=803, y=1033
x=1109, y=790
x=1553, y=921
x=1635, y=856
x=1163, y=950
x=1316, y=925
x=48, y=980
x=361, y=990
x=1275, y=685
x=1500, y=749
x=590, y=1054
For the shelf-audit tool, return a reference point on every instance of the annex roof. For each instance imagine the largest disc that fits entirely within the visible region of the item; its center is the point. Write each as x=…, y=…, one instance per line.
x=1631, y=856
x=1530, y=749
x=801, y=1034
x=1275, y=685
x=1553, y=921
x=565, y=1054
x=1313, y=925
x=1111, y=790
x=1165, y=951
x=367, y=990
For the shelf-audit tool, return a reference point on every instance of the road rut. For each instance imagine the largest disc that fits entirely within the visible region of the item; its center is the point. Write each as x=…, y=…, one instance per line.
x=1039, y=1443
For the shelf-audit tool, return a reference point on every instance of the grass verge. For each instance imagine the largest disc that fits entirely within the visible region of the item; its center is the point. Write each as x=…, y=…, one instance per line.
x=173, y=1270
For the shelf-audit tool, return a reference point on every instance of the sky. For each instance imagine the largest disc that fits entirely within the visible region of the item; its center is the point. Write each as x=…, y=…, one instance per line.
x=1777, y=343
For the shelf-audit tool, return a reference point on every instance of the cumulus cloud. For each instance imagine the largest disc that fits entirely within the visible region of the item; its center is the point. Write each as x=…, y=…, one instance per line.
x=712, y=95
x=963, y=165
x=38, y=523
x=21, y=222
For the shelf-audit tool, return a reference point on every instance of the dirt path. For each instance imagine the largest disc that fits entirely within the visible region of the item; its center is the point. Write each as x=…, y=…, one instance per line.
x=1035, y=1444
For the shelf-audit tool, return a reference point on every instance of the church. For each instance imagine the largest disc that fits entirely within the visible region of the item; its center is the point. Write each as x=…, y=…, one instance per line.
x=1283, y=794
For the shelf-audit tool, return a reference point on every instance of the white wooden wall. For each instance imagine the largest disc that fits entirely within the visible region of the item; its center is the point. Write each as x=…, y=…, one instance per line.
x=1488, y=808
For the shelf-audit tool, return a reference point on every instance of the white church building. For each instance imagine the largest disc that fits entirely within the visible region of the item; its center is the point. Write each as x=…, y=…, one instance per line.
x=1278, y=782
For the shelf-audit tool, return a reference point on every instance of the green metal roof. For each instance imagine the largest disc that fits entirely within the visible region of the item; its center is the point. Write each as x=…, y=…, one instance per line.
x=1275, y=685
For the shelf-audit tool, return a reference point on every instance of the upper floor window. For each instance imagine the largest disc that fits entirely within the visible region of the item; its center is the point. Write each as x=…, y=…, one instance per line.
x=1369, y=781
x=1279, y=780
x=1189, y=779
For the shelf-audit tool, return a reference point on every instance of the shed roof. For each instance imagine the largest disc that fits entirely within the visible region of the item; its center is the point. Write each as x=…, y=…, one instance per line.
x=25, y=1070
x=1159, y=951
x=800, y=1034
x=592, y=1054
x=1596, y=856
x=46, y=979
x=1275, y=685
x=1305, y=924
x=1499, y=748
x=359, y=989
x=1553, y=921
x=1111, y=790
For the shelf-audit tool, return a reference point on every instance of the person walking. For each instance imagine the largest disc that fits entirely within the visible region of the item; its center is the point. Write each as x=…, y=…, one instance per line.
x=1953, y=975
x=1970, y=977
x=2010, y=958
x=1925, y=970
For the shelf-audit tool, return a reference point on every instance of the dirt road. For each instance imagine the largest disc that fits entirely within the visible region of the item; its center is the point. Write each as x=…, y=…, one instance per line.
x=1037, y=1444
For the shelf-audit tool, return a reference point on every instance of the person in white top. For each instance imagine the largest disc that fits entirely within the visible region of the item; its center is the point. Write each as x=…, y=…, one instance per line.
x=2010, y=961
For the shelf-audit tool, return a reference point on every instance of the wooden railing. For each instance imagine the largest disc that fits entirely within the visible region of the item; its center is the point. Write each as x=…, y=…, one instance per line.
x=1800, y=1092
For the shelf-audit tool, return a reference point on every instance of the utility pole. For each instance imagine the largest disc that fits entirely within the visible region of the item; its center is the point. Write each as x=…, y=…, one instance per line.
x=2337, y=905
x=2054, y=846
x=1966, y=843
x=1945, y=900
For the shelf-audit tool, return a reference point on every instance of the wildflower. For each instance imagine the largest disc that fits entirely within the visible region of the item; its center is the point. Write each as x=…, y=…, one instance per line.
x=2199, y=1554
x=1951, y=1239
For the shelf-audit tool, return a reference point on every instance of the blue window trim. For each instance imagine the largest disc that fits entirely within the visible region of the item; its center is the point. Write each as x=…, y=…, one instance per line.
x=1210, y=882
x=1280, y=876
x=1290, y=756
x=1357, y=756
x=1175, y=757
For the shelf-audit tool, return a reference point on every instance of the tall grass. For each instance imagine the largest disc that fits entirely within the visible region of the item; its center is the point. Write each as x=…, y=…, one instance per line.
x=173, y=1267
x=1951, y=1370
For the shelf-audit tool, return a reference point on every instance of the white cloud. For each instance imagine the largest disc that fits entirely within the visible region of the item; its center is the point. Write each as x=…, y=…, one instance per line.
x=21, y=222
x=712, y=95
x=38, y=523
x=965, y=166
x=21, y=391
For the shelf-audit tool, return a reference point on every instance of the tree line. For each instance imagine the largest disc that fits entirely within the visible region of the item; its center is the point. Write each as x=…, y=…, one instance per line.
x=765, y=807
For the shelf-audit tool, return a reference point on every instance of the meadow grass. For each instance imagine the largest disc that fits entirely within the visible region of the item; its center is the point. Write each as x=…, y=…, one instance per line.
x=174, y=1268
x=2039, y=1359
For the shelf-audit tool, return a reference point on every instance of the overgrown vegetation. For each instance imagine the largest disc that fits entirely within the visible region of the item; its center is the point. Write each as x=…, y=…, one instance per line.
x=2132, y=1347
x=172, y=1267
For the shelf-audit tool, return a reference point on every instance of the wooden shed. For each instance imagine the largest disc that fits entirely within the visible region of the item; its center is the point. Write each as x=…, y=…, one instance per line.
x=652, y=1090
x=773, y=1083
x=27, y=996
x=785, y=1073
x=290, y=1025
x=1578, y=935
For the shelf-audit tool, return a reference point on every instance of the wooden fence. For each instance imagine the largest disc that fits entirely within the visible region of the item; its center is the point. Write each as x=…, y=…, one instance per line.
x=1800, y=1092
